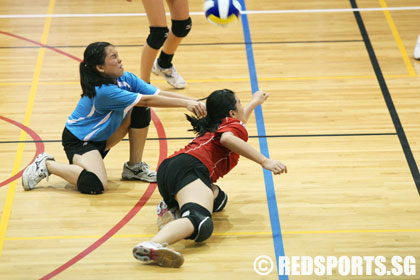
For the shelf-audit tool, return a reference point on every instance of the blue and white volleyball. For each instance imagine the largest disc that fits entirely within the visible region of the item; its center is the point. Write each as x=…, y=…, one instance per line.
x=222, y=12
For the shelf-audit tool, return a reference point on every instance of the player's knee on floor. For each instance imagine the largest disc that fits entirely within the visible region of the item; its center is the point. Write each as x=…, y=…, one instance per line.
x=89, y=183
x=140, y=117
x=220, y=200
x=157, y=36
x=201, y=219
x=181, y=28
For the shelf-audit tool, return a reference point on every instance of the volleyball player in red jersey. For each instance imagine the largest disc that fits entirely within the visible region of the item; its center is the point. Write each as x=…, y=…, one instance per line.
x=186, y=179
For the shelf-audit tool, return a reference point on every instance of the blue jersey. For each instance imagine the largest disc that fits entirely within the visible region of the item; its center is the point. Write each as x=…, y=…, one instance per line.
x=97, y=118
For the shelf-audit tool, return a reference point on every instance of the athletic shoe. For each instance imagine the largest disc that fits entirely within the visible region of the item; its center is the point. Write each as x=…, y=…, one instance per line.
x=170, y=74
x=152, y=252
x=166, y=215
x=417, y=49
x=36, y=171
x=140, y=171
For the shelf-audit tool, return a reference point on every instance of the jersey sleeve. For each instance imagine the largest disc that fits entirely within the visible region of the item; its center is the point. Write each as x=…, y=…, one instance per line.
x=113, y=98
x=236, y=127
x=140, y=86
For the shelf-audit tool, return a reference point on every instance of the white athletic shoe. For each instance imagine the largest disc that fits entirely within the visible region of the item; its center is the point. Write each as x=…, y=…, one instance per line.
x=36, y=171
x=417, y=49
x=170, y=74
x=152, y=252
x=166, y=215
x=140, y=171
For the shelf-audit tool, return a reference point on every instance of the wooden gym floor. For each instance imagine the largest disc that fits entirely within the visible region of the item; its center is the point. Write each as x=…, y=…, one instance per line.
x=343, y=115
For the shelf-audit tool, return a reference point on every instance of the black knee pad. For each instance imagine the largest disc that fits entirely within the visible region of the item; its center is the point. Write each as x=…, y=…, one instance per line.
x=140, y=117
x=220, y=200
x=89, y=183
x=181, y=28
x=157, y=37
x=200, y=217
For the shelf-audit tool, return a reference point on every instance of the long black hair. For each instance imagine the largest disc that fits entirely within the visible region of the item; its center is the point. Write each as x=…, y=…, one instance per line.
x=218, y=104
x=90, y=77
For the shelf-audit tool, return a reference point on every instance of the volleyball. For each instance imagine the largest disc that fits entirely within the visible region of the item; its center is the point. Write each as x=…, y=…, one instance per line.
x=222, y=12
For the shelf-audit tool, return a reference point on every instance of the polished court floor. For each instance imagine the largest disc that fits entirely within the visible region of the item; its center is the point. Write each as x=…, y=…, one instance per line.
x=343, y=115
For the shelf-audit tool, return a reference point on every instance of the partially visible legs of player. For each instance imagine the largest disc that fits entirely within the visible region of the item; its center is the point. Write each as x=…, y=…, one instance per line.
x=137, y=128
x=166, y=215
x=87, y=172
x=220, y=198
x=161, y=36
x=196, y=204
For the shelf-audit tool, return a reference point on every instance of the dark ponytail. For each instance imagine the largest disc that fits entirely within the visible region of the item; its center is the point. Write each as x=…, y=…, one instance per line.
x=218, y=104
x=90, y=77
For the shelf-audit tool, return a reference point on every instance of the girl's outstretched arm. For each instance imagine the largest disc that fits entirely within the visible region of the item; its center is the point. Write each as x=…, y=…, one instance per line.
x=258, y=98
x=194, y=106
x=239, y=146
x=175, y=95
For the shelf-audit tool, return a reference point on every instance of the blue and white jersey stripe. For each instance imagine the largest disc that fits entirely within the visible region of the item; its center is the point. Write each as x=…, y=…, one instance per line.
x=96, y=119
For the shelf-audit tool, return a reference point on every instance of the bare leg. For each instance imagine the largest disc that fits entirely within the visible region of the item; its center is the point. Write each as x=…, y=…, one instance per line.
x=195, y=192
x=90, y=161
x=174, y=231
x=148, y=57
x=119, y=133
x=179, y=11
x=179, y=229
x=215, y=191
x=69, y=172
x=137, y=142
x=137, y=138
x=156, y=15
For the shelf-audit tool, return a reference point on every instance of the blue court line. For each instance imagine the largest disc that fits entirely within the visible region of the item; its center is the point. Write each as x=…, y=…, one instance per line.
x=268, y=177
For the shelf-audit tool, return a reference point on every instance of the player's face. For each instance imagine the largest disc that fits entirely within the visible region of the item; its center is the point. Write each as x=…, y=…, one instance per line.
x=239, y=113
x=112, y=67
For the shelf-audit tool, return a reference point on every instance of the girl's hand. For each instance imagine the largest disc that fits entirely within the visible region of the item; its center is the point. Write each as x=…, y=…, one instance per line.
x=260, y=96
x=274, y=166
x=198, y=108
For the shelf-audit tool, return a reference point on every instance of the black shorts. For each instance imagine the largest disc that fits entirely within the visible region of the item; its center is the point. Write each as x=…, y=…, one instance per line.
x=177, y=172
x=74, y=146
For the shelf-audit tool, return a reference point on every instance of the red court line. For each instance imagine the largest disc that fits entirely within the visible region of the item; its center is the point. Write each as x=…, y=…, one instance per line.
x=163, y=151
x=107, y=235
x=40, y=44
x=38, y=144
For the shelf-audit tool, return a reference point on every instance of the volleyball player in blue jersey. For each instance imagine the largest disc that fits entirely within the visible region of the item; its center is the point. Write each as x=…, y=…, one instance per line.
x=113, y=103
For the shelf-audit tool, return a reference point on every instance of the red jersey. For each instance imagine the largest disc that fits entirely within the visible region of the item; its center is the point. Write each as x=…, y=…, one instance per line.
x=207, y=148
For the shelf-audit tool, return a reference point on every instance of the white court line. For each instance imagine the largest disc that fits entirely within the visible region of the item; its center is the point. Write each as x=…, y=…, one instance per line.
x=201, y=13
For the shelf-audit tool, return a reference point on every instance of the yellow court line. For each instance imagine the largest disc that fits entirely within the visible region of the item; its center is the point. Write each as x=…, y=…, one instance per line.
x=19, y=153
x=300, y=232
x=237, y=79
x=397, y=38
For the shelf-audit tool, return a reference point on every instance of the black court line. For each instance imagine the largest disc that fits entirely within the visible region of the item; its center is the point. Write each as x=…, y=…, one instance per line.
x=255, y=136
x=388, y=99
x=199, y=44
